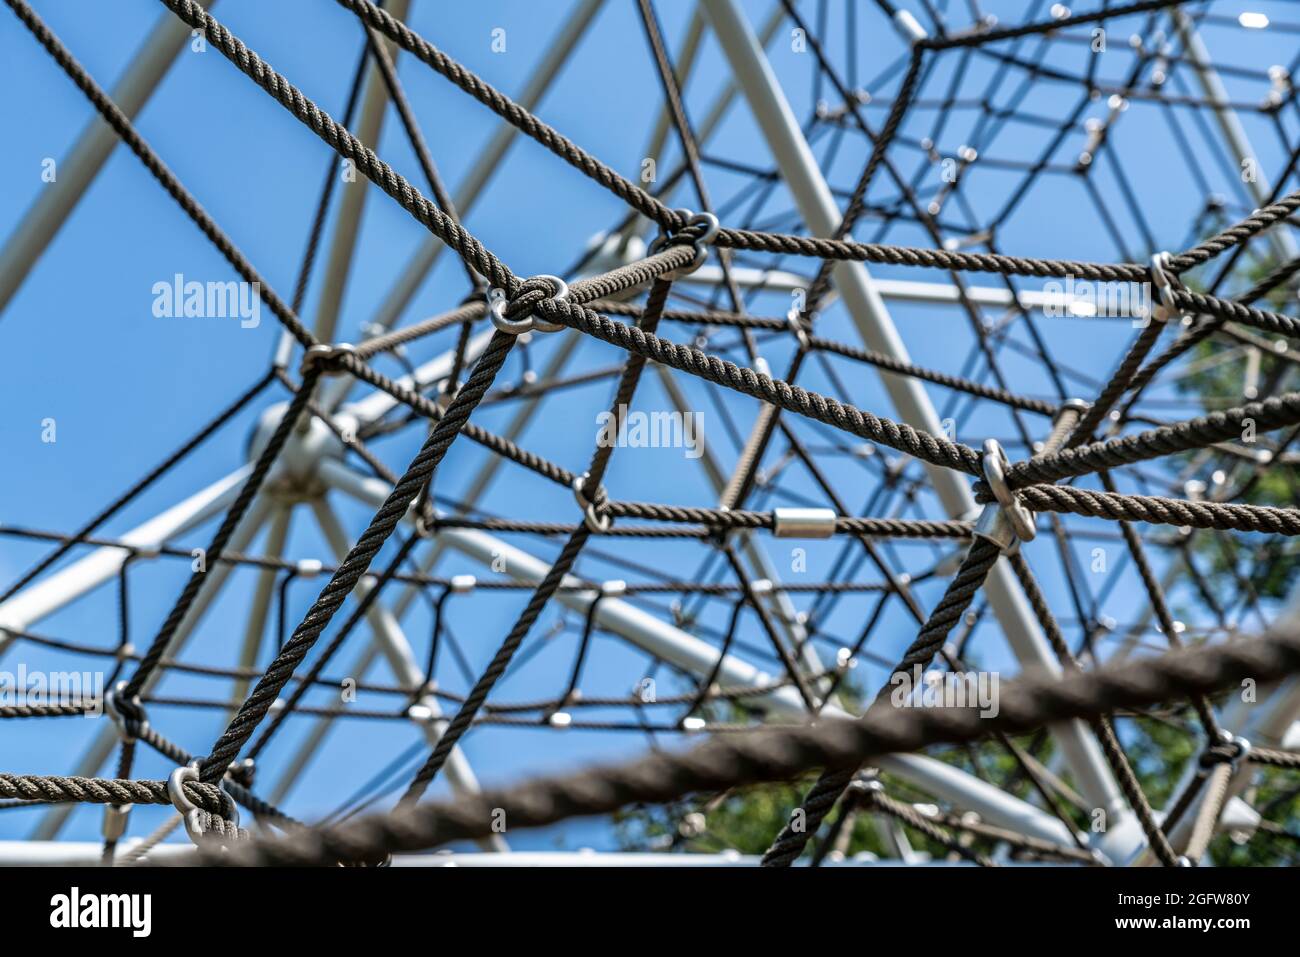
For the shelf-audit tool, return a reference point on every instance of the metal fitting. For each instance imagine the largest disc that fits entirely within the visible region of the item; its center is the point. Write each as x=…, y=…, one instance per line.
x=113, y=702
x=498, y=302
x=116, y=817
x=463, y=584
x=1240, y=747
x=1168, y=308
x=803, y=522
x=664, y=240
x=1073, y=405
x=795, y=321
x=327, y=357
x=594, y=520
x=909, y=28
x=1009, y=520
x=191, y=814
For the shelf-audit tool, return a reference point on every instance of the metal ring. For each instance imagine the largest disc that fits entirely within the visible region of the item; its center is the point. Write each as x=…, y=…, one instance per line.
x=190, y=813
x=663, y=240
x=498, y=303
x=116, y=715
x=593, y=519
x=1020, y=517
x=326, y=355
x=1164, y=288
x=561, y=292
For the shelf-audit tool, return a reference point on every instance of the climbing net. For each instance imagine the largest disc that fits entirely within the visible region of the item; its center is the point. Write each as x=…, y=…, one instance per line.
x=912, y=549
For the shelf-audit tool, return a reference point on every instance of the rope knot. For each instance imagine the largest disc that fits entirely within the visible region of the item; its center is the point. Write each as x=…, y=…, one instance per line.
x=519, y=315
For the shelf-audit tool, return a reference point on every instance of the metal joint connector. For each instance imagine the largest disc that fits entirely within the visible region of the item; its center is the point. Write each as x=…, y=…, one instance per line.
x=795, y=321
x=1006, y=521
x=1168, y=308
x=803, y=522
x=596, y=521
x=113, y=706
x=498, y=302
x=327, y=357
x=191, y=814
x=463, y=584
x=664, y=240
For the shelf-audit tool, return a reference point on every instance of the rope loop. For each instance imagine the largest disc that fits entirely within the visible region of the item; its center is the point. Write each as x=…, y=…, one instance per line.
x=519, y=315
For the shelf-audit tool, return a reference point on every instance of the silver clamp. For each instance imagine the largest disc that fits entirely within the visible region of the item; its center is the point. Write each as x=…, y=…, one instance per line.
x=1009, y=521
x=664, y=240
x=116, y=817
x=113, y=706
x=498, y=303
x=1240, y=747
x=191, y=814
x=1168, y=308
x=594, y=520
x=794, y=320
x=803, y=522
x=326, y=356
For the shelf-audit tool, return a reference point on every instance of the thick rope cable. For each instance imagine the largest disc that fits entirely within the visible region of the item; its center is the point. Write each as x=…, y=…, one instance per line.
x=1027, y=703
x=830, y=786
x=358, y=559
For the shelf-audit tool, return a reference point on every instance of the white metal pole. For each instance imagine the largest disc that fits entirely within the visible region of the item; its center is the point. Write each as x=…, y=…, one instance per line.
x=867, y=308
x=107, y=737
x=392, y=642
x=48, y=595
x=75, y=174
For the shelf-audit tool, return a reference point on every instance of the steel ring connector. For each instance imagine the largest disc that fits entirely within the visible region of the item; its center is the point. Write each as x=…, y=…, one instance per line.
x=594, y=520
x=326, y=356
x=498, y=302
x=561, y=292
x=1020, y=518
x=132, y=724
x=191, y=814
x=701, y=244
x=1168, y=307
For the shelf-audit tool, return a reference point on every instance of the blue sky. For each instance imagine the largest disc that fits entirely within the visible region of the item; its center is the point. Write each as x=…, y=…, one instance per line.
x=126, y=387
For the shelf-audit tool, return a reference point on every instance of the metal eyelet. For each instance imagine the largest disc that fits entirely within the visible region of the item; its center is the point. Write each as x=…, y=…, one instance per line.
x=594, y=520
x=1020, y=518
x=498, y=301
x=191, y=814
x=664, y=240
x=326, y=356
x=1168, y=308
